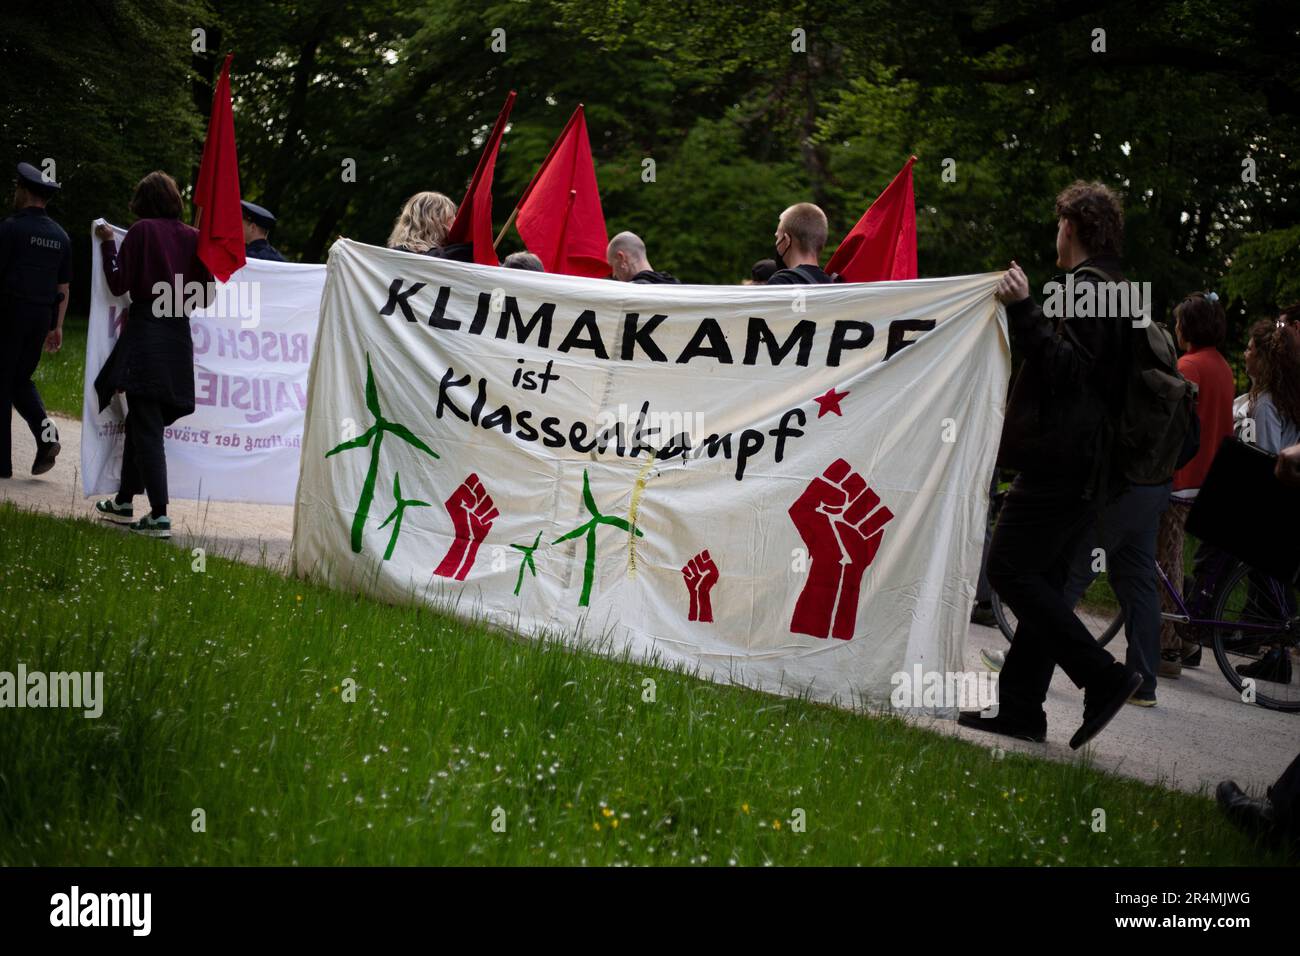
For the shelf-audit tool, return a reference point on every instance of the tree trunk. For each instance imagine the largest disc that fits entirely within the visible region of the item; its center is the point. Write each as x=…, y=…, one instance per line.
x=284, y=165
x=328, y=222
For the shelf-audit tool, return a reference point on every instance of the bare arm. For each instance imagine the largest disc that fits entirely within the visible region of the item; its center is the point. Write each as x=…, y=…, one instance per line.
x=54, y=341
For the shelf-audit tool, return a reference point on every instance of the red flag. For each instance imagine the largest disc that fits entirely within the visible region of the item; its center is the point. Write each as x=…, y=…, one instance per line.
x=882, y=245
x=560, y=218
x=474, y=217
x=216, y=194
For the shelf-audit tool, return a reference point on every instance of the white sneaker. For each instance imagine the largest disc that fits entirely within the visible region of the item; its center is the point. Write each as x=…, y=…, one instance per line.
x=993, y=660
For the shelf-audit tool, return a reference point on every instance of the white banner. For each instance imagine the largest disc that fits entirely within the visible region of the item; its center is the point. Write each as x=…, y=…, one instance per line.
x=785, y=487
x=252, y=350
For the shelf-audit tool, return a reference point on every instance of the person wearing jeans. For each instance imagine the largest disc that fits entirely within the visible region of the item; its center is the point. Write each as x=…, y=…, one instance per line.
x=1126, y=534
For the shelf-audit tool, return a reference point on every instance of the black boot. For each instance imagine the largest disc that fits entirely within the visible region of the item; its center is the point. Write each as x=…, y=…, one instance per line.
x=1021, y=728
x=46, y=452
x=1103, y=699
x=1275, y=666
x=1254, y=816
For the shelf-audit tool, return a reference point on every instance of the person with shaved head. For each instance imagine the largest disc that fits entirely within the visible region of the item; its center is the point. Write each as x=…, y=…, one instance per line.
x=800, y=238
x=628, y=262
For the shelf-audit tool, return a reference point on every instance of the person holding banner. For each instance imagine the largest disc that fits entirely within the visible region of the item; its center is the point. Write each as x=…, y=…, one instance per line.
x=800, y=238
x=153, y=358
x=35, y=269
x=1056, y=435
x=628, y=262
x=422, y=227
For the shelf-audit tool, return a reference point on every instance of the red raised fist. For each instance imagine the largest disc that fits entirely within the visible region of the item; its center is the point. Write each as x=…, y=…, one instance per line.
x=701, y=574
x=838, y=518
x=472, y=513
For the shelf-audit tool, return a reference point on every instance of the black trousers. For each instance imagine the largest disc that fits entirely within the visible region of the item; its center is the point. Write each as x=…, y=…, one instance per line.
x=21, y=340
x=1285, y=797
x=144, y=462
x=1041, y=526
x=984, y=590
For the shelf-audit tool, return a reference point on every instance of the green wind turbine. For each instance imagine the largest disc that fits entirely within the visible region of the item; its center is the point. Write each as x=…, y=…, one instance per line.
x=589, y=529
x=375, y=432
x=527, y=561
x=402, y=505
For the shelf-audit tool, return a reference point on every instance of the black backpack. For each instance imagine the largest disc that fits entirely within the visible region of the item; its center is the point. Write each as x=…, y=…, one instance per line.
x=1157, y=430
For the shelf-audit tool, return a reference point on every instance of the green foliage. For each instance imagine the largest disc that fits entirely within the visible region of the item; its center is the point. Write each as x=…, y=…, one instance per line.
x=103, y=89
x=1266, y=268
x=738, y=118
x=61, y=376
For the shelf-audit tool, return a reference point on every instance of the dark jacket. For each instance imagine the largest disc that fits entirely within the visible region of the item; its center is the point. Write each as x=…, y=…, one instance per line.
x=262, y=249
x=650, y=277
x=154, y=355
x=35, y=259
x=799, y=275
x=1068, y=390
x=456, y=252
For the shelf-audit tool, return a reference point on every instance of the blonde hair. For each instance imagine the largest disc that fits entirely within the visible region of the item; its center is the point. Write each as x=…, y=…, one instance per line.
x=423, y=223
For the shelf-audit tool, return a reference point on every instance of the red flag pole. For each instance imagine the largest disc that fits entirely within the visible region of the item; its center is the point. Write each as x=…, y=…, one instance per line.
x=509, y=222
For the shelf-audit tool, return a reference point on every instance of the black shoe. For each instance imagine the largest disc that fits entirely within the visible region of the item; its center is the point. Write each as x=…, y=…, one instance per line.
x=1254, y=816
x=1103, y=701
x=983, y=615
x=1033, y=731
x=45, y=455
x=1191, y=658
x=1275, y=666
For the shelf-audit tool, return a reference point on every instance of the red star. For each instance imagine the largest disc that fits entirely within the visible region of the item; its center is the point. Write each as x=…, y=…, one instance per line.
x=830, y=402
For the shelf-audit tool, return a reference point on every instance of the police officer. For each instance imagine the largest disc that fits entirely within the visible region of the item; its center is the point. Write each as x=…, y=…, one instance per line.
x=257, y=223
x=35, y=268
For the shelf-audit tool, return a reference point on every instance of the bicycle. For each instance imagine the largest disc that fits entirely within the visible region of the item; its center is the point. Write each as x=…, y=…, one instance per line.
x=1252, y=624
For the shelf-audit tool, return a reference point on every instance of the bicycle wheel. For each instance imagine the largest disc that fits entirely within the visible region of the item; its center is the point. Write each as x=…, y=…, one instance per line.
x=1102, y=624
x=1266, y=649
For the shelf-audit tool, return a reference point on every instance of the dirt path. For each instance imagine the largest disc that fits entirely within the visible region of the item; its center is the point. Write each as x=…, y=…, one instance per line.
x=1199, y=733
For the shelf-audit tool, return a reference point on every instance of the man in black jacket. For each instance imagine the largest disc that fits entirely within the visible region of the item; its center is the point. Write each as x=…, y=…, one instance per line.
x=35, y=269
x=628, y=263
x=258, y=222
x=800, y=238
x=1057, y=435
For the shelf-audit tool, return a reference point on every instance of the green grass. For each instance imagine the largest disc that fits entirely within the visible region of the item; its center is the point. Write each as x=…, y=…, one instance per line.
x=60, y=377
x=223, y=692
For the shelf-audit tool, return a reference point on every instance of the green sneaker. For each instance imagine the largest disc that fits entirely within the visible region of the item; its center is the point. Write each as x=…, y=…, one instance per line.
x=152, y=527
x=110, y=510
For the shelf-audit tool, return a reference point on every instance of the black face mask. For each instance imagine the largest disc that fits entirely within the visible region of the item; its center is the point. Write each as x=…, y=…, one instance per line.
x=776, y=254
